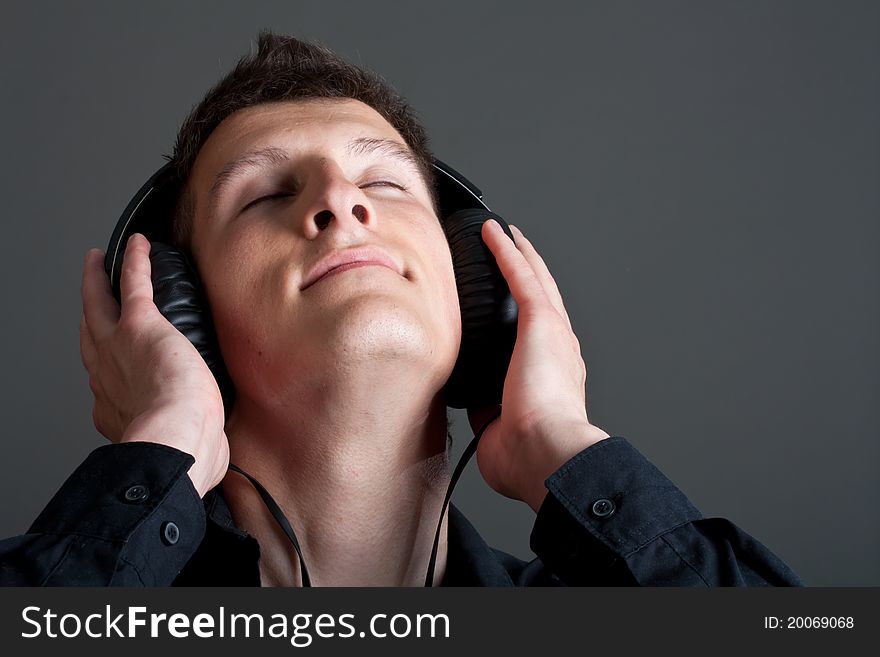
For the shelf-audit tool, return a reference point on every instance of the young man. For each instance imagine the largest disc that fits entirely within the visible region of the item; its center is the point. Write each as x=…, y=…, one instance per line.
x=294, y=164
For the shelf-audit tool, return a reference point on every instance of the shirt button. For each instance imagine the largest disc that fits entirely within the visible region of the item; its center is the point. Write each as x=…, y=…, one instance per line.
x=170, y=533
x=603, y=508
x=136, y=494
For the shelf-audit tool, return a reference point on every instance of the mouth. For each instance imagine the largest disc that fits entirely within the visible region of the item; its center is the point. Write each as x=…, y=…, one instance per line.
x=349, y=265
x=339, y=261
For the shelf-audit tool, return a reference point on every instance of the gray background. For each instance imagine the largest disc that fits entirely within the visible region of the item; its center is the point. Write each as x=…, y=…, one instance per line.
x=700, y=177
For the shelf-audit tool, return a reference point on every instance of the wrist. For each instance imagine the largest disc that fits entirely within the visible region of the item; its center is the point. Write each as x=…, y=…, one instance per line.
x=550, y=450
x=188, y=431
x=175, y=427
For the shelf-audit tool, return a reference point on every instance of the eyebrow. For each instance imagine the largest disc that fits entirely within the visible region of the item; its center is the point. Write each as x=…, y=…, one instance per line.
x=234, y=169
x=387, y=147
x=272, y=156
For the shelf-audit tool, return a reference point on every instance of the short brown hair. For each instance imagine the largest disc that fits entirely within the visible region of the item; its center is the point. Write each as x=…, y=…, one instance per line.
x=282, y=69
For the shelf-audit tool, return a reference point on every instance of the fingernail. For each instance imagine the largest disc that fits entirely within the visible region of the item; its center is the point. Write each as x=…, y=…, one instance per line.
x=130, y=238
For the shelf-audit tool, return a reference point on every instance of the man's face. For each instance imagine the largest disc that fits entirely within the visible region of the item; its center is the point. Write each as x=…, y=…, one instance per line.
x=327, y=176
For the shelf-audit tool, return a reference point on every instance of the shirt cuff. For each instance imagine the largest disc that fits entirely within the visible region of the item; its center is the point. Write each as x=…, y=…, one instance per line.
x=603, y=504
x=138, y=496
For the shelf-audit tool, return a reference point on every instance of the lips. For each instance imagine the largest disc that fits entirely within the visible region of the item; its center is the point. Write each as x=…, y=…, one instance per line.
x=365, y=255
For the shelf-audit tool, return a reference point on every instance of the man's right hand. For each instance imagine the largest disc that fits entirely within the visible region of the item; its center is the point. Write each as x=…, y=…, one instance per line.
x=149, y=382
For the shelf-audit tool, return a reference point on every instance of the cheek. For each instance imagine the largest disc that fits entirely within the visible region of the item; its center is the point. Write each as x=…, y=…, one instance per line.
x=444, y=279
x=232, y=272
x=229, y=272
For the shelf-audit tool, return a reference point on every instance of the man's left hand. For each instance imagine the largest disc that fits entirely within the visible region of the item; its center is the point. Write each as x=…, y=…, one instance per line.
x=543, y=421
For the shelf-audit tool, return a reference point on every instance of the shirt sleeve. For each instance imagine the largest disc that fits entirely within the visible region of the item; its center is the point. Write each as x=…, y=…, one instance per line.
x=127, y=516
x=611, y=518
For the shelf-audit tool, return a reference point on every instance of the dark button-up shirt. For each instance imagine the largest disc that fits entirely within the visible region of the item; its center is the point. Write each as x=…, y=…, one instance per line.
x=130, y=516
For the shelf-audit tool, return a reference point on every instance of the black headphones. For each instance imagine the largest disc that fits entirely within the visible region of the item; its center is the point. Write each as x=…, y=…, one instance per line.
x=488, y=311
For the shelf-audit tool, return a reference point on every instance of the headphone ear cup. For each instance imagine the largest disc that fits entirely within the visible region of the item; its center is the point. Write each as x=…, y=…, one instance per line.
x=488, y=313
x=178, y=294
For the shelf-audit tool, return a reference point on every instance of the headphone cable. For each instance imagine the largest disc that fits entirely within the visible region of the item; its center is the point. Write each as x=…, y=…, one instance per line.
x=283, y=522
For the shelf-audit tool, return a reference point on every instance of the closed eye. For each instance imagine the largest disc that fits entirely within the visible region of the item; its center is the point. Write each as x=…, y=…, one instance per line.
x=281, y=195
x=385, y=183
x=268, y=197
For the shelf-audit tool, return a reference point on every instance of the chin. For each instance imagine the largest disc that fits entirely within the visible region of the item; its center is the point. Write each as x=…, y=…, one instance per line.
x=369, y=335
x=377, y=333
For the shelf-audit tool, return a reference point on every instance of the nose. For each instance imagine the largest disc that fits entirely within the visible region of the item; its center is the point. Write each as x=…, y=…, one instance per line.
x=337, y=204
x=323, y=218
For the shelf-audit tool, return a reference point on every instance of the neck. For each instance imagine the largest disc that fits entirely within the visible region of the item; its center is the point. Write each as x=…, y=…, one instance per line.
x=360, y=480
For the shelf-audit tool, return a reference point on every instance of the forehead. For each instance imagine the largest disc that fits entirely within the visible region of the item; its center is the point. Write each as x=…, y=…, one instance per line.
x=296, y=126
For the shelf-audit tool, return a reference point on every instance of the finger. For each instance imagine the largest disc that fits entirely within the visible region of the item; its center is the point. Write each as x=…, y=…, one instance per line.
x=521, y=279
x=86, y=346
x=541, y=271
x=134, y=282
x=100, y=310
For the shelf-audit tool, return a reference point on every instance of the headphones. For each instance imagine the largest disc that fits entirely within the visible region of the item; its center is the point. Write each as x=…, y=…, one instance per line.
x=488, y=311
